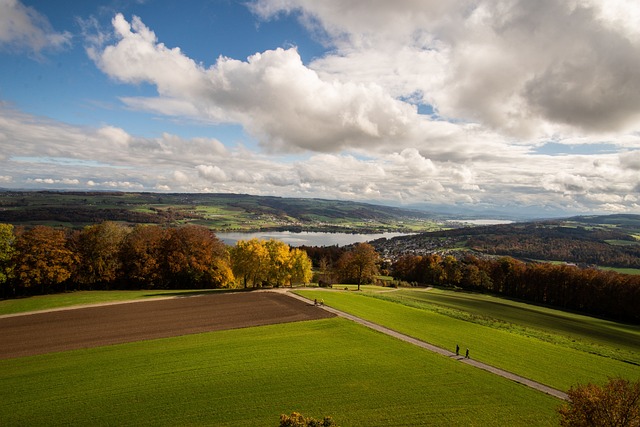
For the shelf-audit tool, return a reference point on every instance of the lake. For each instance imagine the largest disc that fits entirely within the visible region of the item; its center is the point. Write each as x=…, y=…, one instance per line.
x=484, y=221
x=308, y=238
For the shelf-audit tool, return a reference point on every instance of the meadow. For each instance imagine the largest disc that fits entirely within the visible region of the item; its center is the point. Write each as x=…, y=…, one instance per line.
x=248, y=377
x=549, y=346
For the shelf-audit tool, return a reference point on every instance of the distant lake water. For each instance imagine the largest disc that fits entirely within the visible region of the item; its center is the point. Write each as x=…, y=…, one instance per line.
x=485, y=221
x=307, y=238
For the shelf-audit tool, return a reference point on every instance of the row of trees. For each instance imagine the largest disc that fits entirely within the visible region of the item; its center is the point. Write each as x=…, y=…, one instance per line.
x=597, y=292
x=110, y=255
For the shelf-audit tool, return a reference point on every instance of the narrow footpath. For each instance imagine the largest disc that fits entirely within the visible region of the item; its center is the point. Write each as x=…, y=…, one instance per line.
x=521, y=380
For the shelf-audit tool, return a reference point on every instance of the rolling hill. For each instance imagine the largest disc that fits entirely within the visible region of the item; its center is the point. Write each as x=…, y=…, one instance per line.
x=220, y=212
x=606, y=240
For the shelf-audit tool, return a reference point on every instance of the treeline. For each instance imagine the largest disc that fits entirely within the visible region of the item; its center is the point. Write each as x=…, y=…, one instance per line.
x=592, y=291
x=113, y=256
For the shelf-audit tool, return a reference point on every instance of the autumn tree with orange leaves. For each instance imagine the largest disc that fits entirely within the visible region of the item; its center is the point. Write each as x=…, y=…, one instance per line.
x=42, y=259
x=142, y=256
x=195, y=257
x=359, y=265
x=616, y=404
x=98, y=248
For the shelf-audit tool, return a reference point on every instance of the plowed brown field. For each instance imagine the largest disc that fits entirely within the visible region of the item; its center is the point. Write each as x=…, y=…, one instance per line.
x=46, y=332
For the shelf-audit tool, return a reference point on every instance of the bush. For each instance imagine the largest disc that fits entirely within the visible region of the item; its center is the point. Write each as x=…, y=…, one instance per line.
x=324, y=284
x=298, y=420
x=398, y=284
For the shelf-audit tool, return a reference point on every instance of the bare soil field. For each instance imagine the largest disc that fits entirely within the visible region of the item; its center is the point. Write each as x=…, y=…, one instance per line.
x=45, y=332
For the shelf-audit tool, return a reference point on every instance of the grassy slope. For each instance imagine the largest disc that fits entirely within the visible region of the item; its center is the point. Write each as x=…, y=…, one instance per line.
x=554, y=364
x=574, y=326
x=217, y=211
x=248, y=377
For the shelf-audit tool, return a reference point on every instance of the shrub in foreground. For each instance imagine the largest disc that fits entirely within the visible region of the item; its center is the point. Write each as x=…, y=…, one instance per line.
x=298, y=420
x=617, y=403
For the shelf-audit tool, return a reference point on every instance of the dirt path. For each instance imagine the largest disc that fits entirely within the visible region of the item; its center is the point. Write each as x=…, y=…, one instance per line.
x=513, y=377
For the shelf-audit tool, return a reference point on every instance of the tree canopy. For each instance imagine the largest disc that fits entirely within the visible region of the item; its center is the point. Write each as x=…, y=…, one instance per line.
x=615, y=404
x=272, y=262
x=359, y=265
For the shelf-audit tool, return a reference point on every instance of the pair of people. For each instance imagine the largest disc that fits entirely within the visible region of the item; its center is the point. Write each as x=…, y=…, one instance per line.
x=466, y=356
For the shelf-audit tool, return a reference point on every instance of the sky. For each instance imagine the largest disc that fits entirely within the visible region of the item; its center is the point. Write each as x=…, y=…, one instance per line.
x=485, y=105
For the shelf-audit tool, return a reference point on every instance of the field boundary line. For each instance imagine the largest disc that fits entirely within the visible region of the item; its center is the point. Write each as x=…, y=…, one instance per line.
x=439, y=350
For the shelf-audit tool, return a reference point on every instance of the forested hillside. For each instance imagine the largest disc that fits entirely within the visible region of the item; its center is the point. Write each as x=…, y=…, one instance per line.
x=219, y=212
x=612, y=240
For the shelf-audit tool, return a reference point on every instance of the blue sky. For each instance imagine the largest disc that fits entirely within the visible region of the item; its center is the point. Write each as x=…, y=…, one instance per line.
x=518, y=106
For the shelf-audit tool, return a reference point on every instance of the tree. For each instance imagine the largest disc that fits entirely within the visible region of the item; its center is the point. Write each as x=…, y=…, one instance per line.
x=325, y=276
x=256, y=261
x=451, y=270
x=98, y=248
x=249, y=259
x=195, y=257
x=279, y=264
x=301, y=268
x=142, y=256
x=616, y=404
x=7, y=249
x=431, y=265
x=360, y=264
x=42, y=258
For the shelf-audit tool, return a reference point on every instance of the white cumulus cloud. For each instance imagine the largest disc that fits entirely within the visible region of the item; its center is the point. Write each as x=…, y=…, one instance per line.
x=22, y=27
x=279, y=100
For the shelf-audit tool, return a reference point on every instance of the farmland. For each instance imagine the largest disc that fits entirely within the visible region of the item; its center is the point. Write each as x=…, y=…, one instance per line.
x=323, y=367
x=68, y=299
x=249, y=376
x=219, y=212
x=573, y=352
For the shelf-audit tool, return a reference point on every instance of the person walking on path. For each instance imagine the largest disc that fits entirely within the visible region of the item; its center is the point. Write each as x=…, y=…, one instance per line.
x=457, y=350
x=466, y=355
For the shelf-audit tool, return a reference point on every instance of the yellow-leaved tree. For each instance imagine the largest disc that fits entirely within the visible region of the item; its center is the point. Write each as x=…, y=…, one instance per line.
x=279, y=267
x=301, y=267
x=249, y=259
x=257, y=262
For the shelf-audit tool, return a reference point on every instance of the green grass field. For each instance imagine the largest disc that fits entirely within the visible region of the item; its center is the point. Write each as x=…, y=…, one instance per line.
x=248, y=377
x=550, y=358
x=543, y=322
x=621, y=270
